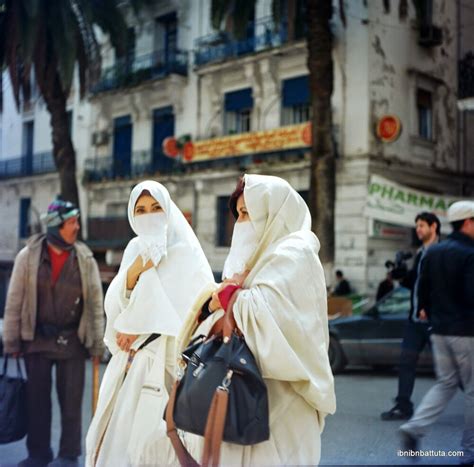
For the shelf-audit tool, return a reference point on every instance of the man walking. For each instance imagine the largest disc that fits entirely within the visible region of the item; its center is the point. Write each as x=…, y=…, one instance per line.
x=447, y=296
x=54, y=317
x=416, y=334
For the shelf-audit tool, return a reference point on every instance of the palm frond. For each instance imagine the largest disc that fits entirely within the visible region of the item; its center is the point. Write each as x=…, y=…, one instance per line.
x=108, y=16
x=12, y=58
x=87, y=43
x=219, y=10
x=63, y=29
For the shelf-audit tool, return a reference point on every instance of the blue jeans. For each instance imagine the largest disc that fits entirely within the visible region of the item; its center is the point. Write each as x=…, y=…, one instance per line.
x=454, y=364
x=415, y=339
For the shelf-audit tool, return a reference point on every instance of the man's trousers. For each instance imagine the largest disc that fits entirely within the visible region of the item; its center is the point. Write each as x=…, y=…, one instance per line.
x=70, y=388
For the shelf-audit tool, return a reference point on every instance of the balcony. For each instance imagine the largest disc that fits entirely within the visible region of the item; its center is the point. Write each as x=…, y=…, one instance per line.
x=466, y=76
x=108, y=232
x=141, y=163
x=128, y=72
x=39, y=163
x=265, y=34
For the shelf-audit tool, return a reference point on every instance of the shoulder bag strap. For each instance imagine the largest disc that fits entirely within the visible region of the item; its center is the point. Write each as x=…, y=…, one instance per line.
x=185, y=459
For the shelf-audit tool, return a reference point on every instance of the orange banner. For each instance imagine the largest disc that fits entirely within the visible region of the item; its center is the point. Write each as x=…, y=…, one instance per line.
x=287, y=137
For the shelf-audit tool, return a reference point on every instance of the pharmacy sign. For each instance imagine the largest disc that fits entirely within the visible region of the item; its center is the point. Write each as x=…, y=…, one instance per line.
x=398, y=204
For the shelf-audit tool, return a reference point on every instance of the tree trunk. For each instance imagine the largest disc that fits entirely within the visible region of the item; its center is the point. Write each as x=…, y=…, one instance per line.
x=322, y=178
x=63, y=150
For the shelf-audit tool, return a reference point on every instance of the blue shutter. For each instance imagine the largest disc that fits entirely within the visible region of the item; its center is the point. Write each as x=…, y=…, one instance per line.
x=25, y=204
x=238, y=100
x=122, y=148
x=163, y=126
x=296, y=91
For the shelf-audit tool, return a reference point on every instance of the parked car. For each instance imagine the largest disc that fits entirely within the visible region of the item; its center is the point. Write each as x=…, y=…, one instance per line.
x=374, y=337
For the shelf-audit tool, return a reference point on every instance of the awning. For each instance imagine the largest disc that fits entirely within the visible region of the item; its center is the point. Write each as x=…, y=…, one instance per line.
x=296, y=91
x=238, y=100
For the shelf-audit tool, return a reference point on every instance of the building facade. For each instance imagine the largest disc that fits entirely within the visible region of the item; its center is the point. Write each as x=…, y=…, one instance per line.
x=243, y=105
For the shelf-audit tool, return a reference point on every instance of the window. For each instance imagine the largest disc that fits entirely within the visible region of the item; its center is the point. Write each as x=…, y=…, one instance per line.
x=397, y=302
x=225, y=222
x=238, y=111
x=127, y=59
x=25, y=207
x=166, y=38
x=424, y=107
x=296, y=105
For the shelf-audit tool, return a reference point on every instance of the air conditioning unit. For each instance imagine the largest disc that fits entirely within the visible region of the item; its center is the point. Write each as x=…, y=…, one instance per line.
x=430, y=36
x=100, y=138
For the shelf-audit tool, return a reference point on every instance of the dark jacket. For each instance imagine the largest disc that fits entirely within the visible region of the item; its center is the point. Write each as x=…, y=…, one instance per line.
x=446, y=288
x=409, y=281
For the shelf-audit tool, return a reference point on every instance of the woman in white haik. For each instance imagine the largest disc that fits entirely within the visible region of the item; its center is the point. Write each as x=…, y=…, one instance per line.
x=162, y=271
x=281, y=311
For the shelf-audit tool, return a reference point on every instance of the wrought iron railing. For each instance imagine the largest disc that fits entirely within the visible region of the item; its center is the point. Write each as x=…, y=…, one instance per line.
x=108, y=231
x=24, y=166
x=466, y=76
x=266, y=34
x=138, y=164
x=131, y=71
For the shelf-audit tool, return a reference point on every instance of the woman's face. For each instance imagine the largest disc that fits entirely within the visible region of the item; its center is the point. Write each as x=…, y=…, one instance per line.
x=242, y=210
x=146, y=204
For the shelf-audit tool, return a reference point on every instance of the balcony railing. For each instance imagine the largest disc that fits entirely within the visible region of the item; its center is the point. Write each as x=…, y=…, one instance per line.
x=141, y=163
x=129, y=72
x=216, y=47
x=466, y=76
x=39, y=163
x=108, y=232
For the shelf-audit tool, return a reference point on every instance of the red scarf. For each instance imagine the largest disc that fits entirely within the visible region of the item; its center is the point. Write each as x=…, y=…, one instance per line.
x=57, y=262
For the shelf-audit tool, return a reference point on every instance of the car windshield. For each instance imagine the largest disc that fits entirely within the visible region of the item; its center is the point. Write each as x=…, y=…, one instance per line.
x=397, y=302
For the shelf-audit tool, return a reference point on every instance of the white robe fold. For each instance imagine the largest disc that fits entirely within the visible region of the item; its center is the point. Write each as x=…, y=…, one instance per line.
x=128, y=426
x=282, y=313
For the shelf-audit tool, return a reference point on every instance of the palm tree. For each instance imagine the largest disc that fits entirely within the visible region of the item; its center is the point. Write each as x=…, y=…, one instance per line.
x=235, y=16
x=51, y=37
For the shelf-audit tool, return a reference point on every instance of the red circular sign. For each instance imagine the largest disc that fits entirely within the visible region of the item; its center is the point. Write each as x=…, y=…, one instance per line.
x=170, y=147
x=389, y=128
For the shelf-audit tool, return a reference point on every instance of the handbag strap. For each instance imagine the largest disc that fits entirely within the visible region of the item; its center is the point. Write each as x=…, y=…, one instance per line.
x=19, y=371
x=185, y=459
x=214, y=431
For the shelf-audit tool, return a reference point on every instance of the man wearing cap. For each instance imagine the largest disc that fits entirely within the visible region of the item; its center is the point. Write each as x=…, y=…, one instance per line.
x=446, y=295
x=54, y=317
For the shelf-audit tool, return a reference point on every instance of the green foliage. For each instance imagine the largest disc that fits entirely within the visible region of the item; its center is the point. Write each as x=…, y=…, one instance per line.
x=232, y=16
x=52, y=36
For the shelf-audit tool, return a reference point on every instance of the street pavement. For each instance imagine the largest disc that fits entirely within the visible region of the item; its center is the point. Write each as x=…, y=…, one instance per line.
x=355, y=435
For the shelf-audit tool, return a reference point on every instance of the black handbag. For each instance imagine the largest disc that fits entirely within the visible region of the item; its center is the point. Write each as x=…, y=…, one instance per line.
x=221, y=396
x=13, y=412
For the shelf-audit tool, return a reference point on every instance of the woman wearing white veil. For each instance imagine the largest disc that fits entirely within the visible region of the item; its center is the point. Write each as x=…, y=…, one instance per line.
x=281, y=310
x=162, y=270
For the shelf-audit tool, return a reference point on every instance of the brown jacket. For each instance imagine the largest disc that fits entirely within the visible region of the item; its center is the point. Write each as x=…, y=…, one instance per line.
x=21, y=307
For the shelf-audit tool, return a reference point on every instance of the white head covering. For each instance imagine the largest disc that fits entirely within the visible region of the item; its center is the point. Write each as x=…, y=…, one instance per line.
x=275, y=209
x=282, y=309
x=163, y=294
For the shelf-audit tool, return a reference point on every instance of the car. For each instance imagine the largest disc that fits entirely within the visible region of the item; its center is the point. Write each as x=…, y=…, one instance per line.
x=374, y=337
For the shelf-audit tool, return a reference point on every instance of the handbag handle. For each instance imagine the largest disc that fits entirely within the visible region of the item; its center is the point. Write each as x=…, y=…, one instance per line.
x=19, y=371
x=226, y=325
x=215, y=423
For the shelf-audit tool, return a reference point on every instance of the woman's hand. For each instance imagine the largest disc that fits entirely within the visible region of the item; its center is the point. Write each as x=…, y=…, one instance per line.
x=135, y=270
x=237, y=279
x=215, y=303
x=125, y=341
